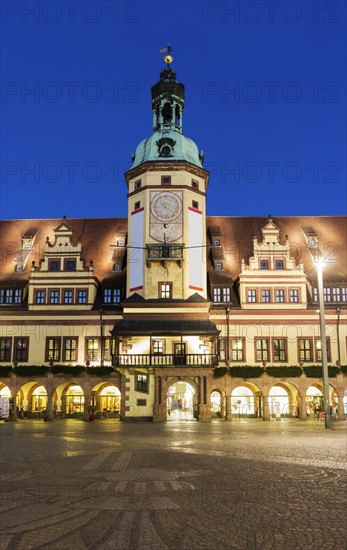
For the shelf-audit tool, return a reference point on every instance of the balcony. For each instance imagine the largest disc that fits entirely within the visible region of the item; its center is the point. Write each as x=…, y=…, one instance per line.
x=164, y=252
x=165, y=360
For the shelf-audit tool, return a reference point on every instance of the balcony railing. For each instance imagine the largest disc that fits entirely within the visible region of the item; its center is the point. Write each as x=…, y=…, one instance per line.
x=165, y=360
x=165, y=251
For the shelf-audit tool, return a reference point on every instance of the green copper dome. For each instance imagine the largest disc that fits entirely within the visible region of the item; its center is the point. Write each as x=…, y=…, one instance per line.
x=167, y=143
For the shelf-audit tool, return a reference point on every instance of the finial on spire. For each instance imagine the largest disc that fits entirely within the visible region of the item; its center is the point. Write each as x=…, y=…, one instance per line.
x=167, y=58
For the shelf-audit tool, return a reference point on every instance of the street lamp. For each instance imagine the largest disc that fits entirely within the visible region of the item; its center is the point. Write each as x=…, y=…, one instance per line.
x=313, y=246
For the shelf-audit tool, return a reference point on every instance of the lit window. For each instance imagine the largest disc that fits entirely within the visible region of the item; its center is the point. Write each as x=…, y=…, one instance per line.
x=344, y=294
x=336, y=295
x=279, y=349
x=262, y=349
x=264, y=264
x=265, y=296
x=165, y=290
x=53, y=349
x=280, y=296
x=226, y=295
x=252, y=296
x=318, y=346
x=81, y=296
x=158, y=347
x=305, y=349
x=70, y=349
x=327, y=294
x=92, y=349
x=217, y=295
x=219, y=266
x=294, y=295
x=315, y=294
x=216, y=242
x=237, y=349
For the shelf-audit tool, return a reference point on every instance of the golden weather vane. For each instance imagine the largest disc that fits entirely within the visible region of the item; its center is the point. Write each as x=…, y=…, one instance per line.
x=167, y=58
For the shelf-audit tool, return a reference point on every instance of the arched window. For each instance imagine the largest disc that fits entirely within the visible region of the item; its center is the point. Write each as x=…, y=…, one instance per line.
x=167, y=113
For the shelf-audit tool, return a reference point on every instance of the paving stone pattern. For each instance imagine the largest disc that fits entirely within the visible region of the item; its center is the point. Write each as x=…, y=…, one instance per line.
x=186, y=485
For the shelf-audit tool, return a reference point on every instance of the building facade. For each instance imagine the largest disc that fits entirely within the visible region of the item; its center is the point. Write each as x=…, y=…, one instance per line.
x=169, y=314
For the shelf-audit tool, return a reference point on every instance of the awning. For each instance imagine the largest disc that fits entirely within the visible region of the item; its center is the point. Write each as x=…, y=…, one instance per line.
x=165, y=327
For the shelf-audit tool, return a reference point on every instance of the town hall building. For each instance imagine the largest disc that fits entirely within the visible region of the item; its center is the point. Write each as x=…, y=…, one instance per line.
x=170, y=314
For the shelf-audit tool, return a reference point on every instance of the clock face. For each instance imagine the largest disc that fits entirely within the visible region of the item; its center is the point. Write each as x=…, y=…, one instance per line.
x=166, y=215
x=166, y=206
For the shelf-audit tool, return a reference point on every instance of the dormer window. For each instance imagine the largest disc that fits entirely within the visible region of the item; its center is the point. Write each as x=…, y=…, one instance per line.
x=54, y=265
x=264, y=264
x=70, y=265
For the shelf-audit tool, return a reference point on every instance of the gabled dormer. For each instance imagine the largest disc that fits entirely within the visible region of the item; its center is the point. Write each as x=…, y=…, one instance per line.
x=61, y=280
x=272, y=278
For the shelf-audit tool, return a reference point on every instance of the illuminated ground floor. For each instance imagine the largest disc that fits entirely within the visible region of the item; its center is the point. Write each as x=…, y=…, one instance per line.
x=167, y=395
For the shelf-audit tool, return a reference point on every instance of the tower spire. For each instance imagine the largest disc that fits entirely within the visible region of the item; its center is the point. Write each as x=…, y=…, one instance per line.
x=167, y=98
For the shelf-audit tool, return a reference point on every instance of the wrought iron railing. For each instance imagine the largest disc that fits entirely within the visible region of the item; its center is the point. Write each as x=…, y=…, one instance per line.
x=165, y=251
x=165, y=360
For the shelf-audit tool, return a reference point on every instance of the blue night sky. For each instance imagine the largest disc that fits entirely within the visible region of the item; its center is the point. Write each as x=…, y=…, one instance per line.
x=265, y=101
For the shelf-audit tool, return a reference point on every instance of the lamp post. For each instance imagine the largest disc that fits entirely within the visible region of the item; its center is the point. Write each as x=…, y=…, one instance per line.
x=227, y=357
x=313, y=246
x=319, y=267
x=101, y=340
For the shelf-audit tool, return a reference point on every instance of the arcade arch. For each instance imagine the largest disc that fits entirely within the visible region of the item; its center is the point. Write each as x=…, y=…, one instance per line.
x=181, y=401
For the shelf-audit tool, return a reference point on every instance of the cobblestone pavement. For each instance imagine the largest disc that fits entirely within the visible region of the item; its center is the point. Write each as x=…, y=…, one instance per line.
x=109, y=485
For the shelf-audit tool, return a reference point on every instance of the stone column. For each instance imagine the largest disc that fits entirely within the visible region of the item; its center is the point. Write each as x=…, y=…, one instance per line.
x=340, y=409
x=266, y=415
x=49, y=407
x=303, y=407
x=159, y=406
x=228, y=415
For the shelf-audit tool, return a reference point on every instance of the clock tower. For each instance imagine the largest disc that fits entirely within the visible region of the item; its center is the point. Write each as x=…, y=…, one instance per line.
x=166, y=204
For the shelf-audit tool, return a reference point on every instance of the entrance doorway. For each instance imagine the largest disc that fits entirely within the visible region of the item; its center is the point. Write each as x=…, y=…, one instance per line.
x=278, y=402
x=180, y=402
x=242, y=402
x=216, y=405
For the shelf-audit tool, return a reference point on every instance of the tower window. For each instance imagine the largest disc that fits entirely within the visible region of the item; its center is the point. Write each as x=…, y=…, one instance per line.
x=165, y=151
x=195, y=204
x=137, y=205
x=167, y=113
x=166, y=180
x=137, y=184
x=195, y=184
x=165, y=290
